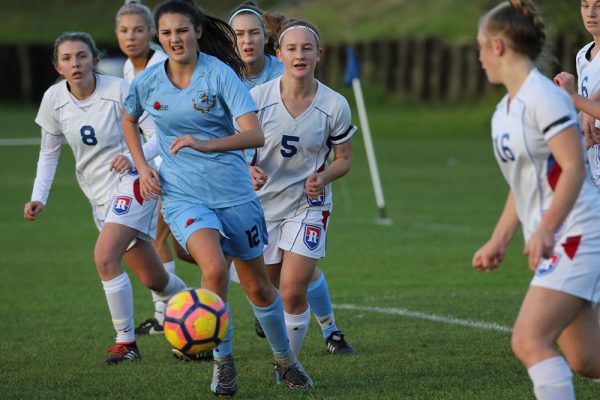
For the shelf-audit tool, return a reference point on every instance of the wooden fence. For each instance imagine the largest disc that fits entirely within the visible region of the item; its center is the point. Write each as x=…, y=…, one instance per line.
x=425, y=69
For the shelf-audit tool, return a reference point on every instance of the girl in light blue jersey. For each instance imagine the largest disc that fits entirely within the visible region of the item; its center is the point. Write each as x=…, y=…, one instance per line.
x=204, y=184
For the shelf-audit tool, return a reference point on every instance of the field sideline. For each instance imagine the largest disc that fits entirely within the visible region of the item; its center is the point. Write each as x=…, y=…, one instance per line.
x=424, y=324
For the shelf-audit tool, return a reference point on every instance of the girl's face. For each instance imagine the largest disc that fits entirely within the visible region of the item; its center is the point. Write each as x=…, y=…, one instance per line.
x=299, y=53
x=133, y=35
x=590, y=13
x=178, y=37
x=250, y=37
x=75, y=62
x=487, y=56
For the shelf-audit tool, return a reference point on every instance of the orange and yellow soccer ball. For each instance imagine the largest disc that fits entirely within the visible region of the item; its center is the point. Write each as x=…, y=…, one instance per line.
x=195, y=320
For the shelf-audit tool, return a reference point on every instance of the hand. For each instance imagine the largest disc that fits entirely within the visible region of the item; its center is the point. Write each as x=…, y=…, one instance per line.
x=149, y=183
x=258, y=177
x=32, y=209
x=539, y=245
x=120, y=164
x=313, y=187
x=489, y=256
x=565, y=81
x=191, y=142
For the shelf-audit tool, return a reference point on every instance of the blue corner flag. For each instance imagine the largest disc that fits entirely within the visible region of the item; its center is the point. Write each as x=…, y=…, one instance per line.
x=351, y=71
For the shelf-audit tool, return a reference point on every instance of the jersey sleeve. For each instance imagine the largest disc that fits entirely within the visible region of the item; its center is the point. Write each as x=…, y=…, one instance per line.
x=46, y=168
x=554, y=113
x=133, y=101
x=46, y=116
x=342, y=129
x=235, y=94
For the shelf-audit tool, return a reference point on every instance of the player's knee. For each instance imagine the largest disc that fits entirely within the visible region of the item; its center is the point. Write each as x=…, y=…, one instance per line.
x=294, y=299
x=523, y=346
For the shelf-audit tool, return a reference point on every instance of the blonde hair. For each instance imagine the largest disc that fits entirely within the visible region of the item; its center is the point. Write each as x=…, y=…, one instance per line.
x=136, y=8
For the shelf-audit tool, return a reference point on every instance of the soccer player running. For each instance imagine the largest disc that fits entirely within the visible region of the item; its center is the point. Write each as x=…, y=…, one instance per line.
x=303, y=121
x=538, y=147
x=588, y=75
x=257, y=36
x=207, y=195
x=86, y=109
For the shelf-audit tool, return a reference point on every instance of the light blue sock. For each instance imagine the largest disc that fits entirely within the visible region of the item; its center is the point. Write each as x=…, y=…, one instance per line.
x=272, y=321
x=320, y=304
x=225, y=348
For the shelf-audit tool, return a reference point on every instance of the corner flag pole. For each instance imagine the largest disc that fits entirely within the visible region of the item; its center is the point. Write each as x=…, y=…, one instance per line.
x=351, y=77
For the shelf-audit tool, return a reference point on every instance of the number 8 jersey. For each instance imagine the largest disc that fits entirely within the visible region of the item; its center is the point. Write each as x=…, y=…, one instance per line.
x=92, y=127
x=521, y=129
x=296, y=147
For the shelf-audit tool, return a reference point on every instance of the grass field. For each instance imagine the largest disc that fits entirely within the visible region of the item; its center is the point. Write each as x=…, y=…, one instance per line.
x=443, y=193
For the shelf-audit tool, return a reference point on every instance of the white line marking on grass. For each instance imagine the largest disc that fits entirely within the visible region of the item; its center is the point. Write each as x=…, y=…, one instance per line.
x=431, y=317
x=20, y=142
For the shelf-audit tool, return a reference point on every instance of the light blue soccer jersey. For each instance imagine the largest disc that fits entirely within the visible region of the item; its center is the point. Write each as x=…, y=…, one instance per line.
x=271, y=70
x=205, y=109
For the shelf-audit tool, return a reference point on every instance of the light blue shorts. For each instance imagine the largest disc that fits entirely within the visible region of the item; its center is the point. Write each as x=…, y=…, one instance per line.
x=242, y=227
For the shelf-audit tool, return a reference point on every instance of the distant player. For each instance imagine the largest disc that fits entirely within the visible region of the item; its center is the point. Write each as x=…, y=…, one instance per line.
x=536, y=140
x=303, y=121
x=86, y=109
x=207, y=196
x=257, y=36
x=588, y=75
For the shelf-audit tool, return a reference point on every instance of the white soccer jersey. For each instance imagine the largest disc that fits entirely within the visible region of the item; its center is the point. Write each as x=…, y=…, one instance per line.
x=520, y=132
x=94, y=133
x=146, y=124
x=296, y=147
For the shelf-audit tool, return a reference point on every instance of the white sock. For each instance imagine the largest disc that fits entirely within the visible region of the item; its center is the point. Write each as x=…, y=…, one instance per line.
x=297, y=326
x=174, y=285
x=119, y=296
x=552, y=379
x=170, y=266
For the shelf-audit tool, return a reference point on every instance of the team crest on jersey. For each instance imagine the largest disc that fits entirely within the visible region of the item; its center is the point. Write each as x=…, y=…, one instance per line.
x=312, y=236
x=204, y=101
x=548, y=265
x=319, y=201
x=121, y=205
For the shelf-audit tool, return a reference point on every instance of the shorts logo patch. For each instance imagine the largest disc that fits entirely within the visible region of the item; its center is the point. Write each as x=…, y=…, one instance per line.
x=121, y=205
x=547, y=266
x=312, y=236
x=571, y=245
x=319, y=201
x=132, y=172
x=192, y=221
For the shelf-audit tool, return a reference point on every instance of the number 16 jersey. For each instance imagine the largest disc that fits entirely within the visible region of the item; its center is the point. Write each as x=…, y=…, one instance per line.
x=521, y=130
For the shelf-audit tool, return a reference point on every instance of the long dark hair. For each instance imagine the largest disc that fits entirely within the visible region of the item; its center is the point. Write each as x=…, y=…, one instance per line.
x=218, y=39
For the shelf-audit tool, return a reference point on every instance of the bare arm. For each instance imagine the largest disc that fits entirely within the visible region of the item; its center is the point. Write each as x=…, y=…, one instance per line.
x=342, y=162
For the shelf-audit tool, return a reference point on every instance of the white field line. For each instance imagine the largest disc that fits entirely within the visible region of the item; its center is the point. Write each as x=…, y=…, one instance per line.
x=431, y=317
x=20, y=142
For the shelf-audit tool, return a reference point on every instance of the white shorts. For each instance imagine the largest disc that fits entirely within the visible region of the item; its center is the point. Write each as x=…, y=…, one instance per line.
x=593, y=156
x=128, y=208
x=304, y=234
x=574, y=269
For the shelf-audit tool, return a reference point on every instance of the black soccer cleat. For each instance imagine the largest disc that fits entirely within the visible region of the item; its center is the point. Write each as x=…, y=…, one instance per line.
x=224, y=379
x=258, y=328
x=151, y=326
x=336, y=344
x=198, y=357
x=293, y=376
x=123, y=352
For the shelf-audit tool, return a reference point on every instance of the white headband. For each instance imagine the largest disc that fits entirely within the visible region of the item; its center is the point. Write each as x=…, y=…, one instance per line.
x=244, y=10
x=296, y=27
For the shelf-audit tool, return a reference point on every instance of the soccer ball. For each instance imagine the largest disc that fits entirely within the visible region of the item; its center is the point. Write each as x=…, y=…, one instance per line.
x=195, y=320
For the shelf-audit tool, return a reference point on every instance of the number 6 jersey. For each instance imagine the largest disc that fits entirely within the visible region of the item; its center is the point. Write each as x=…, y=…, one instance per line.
x=520, y=132
x=296, y=147
x=92, y=127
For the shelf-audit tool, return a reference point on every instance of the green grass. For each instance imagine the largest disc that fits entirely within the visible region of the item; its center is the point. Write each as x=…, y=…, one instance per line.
x=338, y=20
x=443, y=193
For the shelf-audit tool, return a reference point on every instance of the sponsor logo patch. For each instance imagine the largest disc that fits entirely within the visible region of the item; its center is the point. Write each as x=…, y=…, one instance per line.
x=121, y=205
x=312, y=236
x=160, y=107
x=192, y=221
x=547, y=266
